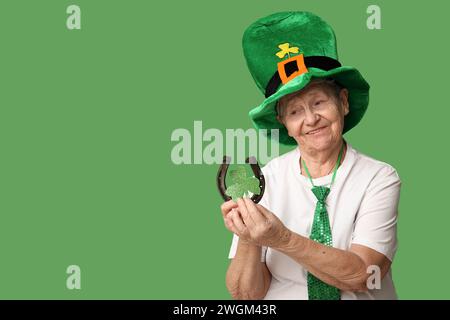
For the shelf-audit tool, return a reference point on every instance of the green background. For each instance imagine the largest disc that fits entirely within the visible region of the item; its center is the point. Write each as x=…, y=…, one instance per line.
x=86, y=118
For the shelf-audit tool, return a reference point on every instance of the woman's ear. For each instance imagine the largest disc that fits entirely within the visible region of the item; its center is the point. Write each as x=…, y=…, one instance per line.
x=280, y=120
x=344, y=100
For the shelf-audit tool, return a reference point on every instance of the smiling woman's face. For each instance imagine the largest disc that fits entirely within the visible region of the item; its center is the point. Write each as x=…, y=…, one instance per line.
x=314, y=116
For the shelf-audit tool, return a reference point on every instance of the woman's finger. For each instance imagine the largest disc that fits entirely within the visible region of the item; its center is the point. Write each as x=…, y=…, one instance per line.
x=247, y=218
x=227, y=206
x=230, y=225
x=257, y=216
x=237, y=221
x=266, y=213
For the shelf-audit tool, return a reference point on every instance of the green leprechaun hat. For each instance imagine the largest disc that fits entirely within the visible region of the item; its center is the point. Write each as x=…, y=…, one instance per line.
x=284, y=51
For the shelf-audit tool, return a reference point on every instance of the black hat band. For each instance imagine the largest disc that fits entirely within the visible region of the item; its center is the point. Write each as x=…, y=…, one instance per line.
x=320, y=62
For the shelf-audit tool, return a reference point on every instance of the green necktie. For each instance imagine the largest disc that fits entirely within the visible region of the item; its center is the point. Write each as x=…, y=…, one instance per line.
x=321, y=232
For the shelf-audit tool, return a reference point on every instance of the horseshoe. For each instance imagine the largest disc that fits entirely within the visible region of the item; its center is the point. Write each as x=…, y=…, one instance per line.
x=221, y=174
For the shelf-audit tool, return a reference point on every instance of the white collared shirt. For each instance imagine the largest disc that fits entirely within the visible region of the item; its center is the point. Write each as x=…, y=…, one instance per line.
x=362, y=207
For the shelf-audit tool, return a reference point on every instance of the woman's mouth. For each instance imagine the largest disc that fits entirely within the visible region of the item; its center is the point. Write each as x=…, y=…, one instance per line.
x=315, y=131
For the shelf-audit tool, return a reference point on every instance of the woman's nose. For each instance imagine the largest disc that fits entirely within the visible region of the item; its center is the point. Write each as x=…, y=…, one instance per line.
x=310, y=117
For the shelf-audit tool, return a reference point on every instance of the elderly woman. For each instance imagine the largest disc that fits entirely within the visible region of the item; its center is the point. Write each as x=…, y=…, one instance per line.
x=326, y=225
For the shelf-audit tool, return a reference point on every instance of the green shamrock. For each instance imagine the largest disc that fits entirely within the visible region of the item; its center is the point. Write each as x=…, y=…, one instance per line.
x=242, y=184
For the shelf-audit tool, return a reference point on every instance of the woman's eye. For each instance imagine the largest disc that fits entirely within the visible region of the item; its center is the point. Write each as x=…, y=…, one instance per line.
x=295, y=112
x=318, y=102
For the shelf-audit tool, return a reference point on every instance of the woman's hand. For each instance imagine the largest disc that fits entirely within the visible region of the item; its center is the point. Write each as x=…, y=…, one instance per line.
x=226, y=208
x=254, y=224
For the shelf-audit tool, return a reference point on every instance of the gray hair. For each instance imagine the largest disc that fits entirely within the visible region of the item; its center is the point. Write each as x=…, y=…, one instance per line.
x=335, y=89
